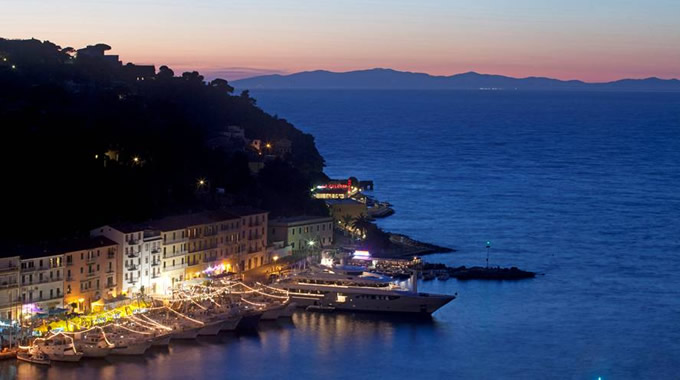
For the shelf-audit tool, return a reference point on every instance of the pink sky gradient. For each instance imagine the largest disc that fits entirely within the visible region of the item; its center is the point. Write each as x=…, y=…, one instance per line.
x=566, y=40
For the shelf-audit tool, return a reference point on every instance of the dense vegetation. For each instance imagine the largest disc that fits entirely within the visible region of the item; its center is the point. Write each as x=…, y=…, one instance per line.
x=61, y=113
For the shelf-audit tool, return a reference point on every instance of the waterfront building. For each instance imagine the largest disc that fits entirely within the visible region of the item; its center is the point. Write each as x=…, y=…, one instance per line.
x=93, y=271
x=345, y=209
x=140, y=253
x=10, y=301
x=302, y=232
x=253, y=240
x=277, y=250
x=42, y=281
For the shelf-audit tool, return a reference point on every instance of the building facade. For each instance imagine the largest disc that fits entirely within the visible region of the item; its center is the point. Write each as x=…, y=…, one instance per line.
x=302, y=232
x=141, y=254
x=42, y=282
x=253, y=240
x=92, y=271
x=10, y=300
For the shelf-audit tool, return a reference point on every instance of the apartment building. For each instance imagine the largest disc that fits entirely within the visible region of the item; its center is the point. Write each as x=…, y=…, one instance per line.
x=253, y=240
x=302, y=232
x=42, y=281
x=93, y=271
x=10, y=301
x=141, y=253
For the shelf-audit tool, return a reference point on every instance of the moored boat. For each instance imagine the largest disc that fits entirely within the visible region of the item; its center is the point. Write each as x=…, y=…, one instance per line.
x=58, y=347
x=36, y=358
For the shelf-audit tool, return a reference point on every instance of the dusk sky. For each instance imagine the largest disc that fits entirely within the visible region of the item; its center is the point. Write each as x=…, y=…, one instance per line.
x=590, y=40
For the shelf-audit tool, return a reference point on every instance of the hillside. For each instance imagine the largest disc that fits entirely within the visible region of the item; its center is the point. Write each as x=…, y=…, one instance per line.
x=89, y=141
x=387, y=79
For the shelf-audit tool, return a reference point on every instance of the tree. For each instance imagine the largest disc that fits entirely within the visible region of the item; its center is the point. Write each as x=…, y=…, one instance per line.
x=222, y=84
x=165, y=73
x=362, y=223
x=193, y=76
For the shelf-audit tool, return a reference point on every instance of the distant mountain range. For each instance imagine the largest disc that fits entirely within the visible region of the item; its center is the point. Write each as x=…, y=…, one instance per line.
x=388, y=79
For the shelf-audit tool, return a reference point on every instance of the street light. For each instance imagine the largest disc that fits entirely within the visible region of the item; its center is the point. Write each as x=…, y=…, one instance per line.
x=275, y=258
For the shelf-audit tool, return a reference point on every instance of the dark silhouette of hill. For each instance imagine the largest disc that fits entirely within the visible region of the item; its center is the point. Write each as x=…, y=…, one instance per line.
x=88, y=141
x=388, y=79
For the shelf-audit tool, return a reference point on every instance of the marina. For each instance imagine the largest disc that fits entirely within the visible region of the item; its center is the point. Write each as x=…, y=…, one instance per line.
x=208, y=307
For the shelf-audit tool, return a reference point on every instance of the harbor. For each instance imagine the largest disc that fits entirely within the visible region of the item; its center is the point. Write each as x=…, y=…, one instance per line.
x=218, y=304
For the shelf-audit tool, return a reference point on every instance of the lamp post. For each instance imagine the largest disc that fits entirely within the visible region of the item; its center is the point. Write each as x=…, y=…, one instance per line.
x=488, y=247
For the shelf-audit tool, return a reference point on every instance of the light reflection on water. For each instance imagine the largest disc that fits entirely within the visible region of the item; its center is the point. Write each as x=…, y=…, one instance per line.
x=310, y=344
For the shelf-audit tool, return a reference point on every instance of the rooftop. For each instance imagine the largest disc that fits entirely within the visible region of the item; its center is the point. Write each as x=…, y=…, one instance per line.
x=302, y=219
x=63, y=246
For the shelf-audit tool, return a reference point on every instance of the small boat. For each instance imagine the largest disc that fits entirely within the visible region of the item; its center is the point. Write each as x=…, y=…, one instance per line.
x=92, y=345
x=8, y=354
x=320, y=308
x=36, y=358
x=429, y=276
x=57, y=347
x=443, y=276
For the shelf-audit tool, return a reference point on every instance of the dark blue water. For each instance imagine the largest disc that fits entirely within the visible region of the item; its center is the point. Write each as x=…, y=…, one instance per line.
x=582, y=187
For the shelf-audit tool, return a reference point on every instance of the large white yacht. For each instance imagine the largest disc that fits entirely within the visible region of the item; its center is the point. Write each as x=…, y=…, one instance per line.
x=341, y=289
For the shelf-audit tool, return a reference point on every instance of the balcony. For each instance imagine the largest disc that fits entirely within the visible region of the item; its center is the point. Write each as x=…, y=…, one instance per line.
x=69, y=278
x=111, y=255
x=132, y=280
x=132, y=255
x=156, y=250
x=155, y=264
x=132, y=267
x=92, y=274
x=133, y=241
x=110, y=271
x=109, y=286
x=10, y=268
x=69, y=263
x=156, y=275
x=91, y=259
x=175, y=254
x=6, y=284
x=53, y=279
x=210, y=259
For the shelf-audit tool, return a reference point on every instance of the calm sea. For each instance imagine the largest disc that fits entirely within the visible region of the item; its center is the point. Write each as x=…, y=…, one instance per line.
x=581, y=187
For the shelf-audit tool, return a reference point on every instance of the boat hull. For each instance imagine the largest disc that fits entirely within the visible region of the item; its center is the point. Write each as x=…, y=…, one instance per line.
x=211, y=328
x=65, y=358
x=273, y=313
x=131, y=349
x=189, y=333
x=94, y=352
x=391, y=303
x=230, y=323
x=249, y=321
x=289, y=310
x=162, y=340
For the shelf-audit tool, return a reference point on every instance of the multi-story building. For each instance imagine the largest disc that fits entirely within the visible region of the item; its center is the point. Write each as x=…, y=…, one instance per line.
x=253, y=240
x=302, y=232
x=92, y=271
x=10, y=301
x=141, y=253
x=42, y=281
